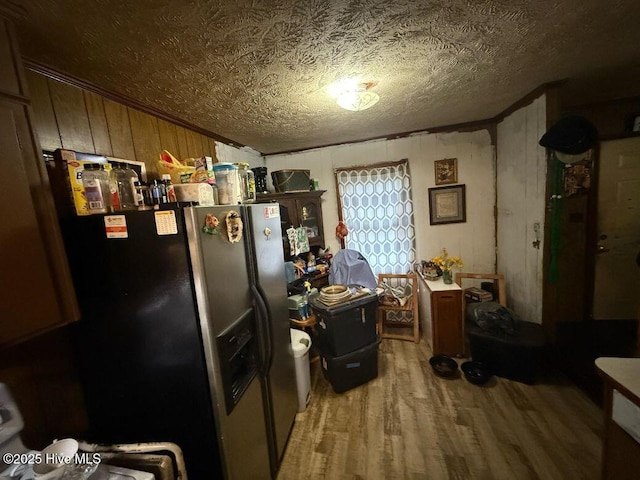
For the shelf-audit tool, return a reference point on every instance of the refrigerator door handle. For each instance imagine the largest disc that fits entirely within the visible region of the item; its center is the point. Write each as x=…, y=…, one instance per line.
x=263, y=321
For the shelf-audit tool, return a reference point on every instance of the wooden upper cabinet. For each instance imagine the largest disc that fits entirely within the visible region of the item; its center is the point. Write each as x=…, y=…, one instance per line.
x=296, y=210
x=10, y=83
x=36, y=291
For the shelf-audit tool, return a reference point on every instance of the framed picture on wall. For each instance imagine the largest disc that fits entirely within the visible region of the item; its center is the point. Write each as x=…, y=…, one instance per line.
x=446, y=171
x=447, y=205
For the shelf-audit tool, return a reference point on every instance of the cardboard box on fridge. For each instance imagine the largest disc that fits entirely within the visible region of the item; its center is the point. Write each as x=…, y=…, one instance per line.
x=65, y=175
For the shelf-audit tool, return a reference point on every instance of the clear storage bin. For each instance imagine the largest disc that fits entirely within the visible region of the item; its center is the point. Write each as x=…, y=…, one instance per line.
x=96, y=188
x=227, y=180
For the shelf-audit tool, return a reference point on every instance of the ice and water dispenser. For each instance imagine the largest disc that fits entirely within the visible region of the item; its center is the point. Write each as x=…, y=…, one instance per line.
x=238, y=354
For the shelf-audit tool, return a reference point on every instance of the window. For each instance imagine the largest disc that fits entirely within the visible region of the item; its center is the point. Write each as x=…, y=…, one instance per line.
x=376, y=206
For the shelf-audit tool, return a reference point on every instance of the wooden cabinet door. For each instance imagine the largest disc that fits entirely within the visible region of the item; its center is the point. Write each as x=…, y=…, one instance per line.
x=309, y=214
x=299, y=209
x=446, y=313
x=288, y=218
x=10, y=82
x=37, y=293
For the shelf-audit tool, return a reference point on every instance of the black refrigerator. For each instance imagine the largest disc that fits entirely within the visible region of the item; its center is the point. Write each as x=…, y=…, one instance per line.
x=184, y=334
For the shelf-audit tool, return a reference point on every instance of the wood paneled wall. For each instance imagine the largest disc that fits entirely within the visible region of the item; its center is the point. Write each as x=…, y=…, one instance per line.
x=612, y=119
x=69, y=117
x=41, y=372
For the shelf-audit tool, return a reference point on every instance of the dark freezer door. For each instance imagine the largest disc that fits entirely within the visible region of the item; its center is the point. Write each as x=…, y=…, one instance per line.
x=138, y=342
x=147, y=339
x=268, y=269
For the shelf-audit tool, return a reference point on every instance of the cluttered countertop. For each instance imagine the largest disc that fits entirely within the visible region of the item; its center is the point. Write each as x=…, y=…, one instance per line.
x=438, y=284
x=622, y=372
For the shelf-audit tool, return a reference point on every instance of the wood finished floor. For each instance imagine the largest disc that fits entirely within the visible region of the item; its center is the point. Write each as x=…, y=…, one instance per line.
x=410, y=424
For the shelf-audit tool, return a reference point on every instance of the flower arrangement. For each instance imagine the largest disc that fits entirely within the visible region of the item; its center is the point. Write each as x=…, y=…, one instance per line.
x=446, y=262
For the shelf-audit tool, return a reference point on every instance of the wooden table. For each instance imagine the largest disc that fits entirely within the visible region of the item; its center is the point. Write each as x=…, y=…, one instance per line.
x=306, y=323
x=621, y=441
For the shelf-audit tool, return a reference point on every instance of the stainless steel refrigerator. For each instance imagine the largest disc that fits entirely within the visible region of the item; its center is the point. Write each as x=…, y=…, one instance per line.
x=184, y=335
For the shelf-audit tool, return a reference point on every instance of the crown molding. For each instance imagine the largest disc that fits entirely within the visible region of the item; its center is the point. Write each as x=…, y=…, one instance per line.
x=127, y=101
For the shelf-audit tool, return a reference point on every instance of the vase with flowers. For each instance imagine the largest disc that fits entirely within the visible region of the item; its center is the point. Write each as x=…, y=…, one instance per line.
x=446, y=263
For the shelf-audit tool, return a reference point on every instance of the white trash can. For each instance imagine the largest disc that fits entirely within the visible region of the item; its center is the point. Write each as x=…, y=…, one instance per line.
x=301, y=343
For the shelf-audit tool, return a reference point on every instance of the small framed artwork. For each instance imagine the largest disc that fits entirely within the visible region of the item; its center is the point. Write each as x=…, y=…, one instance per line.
x=447, y=205
x=446, y=171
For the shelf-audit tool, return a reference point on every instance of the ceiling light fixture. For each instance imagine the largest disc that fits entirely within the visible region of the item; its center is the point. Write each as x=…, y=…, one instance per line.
x=351, y=94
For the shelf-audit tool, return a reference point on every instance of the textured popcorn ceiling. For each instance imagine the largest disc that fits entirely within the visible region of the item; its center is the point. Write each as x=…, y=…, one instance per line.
x=256, y=71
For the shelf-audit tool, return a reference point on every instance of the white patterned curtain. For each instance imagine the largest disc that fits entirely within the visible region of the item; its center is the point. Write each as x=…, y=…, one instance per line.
x=378, y=211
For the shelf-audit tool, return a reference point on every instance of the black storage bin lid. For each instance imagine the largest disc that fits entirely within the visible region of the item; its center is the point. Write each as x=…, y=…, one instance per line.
x=335, y=310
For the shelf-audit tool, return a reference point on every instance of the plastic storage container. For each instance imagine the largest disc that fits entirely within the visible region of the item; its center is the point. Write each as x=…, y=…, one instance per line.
x=301, y=343
x=227, y=181
x=132, y=176
x=347, y=326
x=200, y=193
x=143, y=196
x=122, y=190
x=96, y=188
x=247, y=182
x=353, y=369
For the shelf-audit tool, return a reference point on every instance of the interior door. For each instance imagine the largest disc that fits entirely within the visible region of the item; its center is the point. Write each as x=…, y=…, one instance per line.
x=617, y=268
x=310, y=211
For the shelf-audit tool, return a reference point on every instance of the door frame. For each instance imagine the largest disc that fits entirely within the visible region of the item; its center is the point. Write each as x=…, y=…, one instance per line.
x=593, y=230
x=592, y=234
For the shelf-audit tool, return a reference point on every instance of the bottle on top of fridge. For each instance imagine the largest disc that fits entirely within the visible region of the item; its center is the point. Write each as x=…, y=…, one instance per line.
x=251, y=185
x=143, y=196
x=113, y=187
x=158, y=193
x=168, y=186
x=96, y=188
x=124, y=188
x=132, y=176
x=246, y=180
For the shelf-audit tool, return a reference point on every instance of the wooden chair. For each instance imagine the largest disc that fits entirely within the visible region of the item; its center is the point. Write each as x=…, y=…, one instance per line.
x=411, y=306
